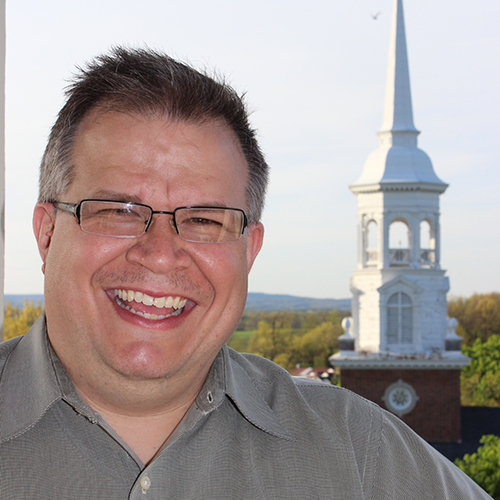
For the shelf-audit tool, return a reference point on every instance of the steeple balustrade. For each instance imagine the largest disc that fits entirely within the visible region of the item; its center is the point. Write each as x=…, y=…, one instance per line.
x=399, y=256
x=427, y=257
x=371, y=257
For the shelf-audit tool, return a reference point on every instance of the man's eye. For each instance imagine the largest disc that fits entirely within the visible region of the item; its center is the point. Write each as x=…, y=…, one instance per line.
x=124, y=211
x=110, y=212
x=200, y=221
x=117, y=213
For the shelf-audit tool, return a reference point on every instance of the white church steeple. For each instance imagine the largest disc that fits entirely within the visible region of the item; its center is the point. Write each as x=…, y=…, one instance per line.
x=399, y=290
x=397, y=349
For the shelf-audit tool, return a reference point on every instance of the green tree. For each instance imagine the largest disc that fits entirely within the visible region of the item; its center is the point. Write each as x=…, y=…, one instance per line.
x=484, y=466
x=272, y=339
x=478, y=316
x=18, y=320
x=314, y=347
x=299, y=321
x=480, y=380
x=290, y=337
x=250, y=320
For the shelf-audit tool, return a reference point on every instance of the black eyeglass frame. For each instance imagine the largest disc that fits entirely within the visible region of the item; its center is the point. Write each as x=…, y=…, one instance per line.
x=75, y=209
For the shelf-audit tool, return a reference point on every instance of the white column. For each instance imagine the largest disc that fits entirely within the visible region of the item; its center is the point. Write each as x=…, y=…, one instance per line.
x=414, y=224
x=2, y=162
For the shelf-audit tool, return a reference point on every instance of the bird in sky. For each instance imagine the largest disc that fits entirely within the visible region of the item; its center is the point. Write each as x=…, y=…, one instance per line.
x=374, y=17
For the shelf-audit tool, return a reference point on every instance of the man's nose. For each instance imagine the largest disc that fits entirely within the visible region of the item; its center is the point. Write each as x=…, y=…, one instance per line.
x=169, y=216
x=160, y=248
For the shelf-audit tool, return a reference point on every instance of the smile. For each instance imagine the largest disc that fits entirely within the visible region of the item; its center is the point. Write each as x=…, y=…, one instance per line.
x=124, y=298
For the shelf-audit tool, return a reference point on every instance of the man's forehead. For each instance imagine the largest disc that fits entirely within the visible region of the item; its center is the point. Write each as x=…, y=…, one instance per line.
x=123, y=122
x=125, y=147
x=102, y=117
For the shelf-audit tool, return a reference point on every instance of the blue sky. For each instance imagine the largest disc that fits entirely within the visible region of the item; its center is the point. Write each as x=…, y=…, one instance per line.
x=314, y=75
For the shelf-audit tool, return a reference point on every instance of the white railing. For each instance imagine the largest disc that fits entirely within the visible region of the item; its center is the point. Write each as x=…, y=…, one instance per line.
x=427, y=257
x=399, y=256
x=371, y=257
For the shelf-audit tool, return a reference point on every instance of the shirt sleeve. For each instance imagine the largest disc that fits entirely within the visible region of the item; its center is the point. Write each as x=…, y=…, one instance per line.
x=407, y=468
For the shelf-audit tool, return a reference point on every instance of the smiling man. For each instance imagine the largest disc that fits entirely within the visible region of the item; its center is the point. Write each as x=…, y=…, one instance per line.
x=148, y=223
x=154, y=292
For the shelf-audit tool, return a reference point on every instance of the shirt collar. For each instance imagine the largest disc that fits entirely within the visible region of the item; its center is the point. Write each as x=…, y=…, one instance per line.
x=240, y=386
x=33, y=380
x=28, y=385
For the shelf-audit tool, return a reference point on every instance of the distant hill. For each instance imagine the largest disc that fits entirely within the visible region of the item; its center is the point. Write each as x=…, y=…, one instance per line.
x=262, y=301
x=18, y=300
x=270, y=302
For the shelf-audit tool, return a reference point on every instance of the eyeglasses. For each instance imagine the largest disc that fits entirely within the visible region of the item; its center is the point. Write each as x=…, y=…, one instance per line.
x=131, y=220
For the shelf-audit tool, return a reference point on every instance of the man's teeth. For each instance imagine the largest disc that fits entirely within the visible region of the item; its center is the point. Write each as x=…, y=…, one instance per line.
x=159, y=302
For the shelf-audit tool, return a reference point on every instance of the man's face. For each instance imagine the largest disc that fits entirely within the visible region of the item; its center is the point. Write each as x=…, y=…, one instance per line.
x=166, y=165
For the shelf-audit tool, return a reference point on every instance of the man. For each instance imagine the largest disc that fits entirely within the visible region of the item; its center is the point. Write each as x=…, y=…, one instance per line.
x=148, y=222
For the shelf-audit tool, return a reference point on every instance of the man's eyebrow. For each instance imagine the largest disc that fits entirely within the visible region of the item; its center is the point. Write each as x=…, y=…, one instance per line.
x=104, y=194
x=213, y=204
x=115, y=196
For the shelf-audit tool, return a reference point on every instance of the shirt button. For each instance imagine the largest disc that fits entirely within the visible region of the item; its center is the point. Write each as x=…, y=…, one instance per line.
x=145, y=484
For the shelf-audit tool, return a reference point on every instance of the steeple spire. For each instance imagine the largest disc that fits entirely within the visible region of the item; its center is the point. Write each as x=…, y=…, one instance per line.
x=398, y=114
x=398, y=163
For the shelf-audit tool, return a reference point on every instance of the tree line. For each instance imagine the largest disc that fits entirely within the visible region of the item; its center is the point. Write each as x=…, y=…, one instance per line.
x=309, y=338
x=290, y=338
x=18, y=320
x=478, y=316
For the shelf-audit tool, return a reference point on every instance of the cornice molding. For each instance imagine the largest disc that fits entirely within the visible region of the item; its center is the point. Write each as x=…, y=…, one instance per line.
x=360, y=361
x=398, y=186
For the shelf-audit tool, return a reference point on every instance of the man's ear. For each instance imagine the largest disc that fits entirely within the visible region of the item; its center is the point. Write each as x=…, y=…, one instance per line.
x=43, y=227
x=254, y=244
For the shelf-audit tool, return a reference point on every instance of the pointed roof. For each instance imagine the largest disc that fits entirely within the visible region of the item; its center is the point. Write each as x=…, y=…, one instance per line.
x=398, y=163
x=398, y=112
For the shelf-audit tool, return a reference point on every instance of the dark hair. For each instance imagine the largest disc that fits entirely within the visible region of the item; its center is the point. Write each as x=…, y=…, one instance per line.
x=144, y=81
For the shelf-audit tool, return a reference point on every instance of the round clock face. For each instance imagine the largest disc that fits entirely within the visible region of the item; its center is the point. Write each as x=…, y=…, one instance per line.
x=400, y=398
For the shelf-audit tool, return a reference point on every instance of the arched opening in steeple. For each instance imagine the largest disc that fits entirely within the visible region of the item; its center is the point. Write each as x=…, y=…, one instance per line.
x=427, y=244
x=399, y=319
x=399, y=243
x=371, y=244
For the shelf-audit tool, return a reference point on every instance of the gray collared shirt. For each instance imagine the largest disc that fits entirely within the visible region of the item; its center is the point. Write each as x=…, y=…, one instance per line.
x=253, y=433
